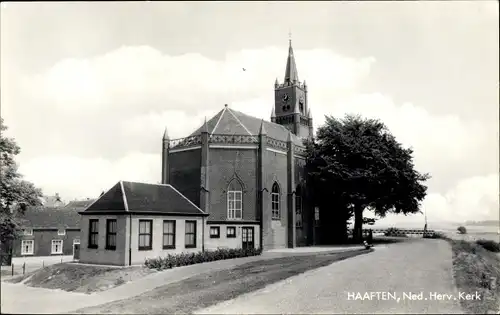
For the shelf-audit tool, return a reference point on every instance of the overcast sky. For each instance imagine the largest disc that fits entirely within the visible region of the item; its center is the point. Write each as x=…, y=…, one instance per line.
x=87, y=88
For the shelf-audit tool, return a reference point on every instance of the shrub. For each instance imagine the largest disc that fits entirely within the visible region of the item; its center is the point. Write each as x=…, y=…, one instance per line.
x=490, y=245
x=184, y=259
x=435, y=235
x=462, y=230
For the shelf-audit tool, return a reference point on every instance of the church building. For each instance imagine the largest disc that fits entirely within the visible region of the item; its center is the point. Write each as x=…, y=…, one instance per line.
x=248, y=174
x=236, y=182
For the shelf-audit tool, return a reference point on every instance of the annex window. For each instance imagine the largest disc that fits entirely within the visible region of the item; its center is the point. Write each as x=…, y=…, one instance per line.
x=275, y=202
x=28, y=232
x=234, y=205
x=111, y=234
x=214, y=232
x=231, y=232
x=57, y=247
x=190, y=239
x=27, y=247
x=61, y=232
x=145, y=234
x=298, y=207
x=168, y=234
x=93, y=233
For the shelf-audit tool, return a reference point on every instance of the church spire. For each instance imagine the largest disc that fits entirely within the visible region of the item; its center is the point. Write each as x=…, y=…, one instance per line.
x=291, y=74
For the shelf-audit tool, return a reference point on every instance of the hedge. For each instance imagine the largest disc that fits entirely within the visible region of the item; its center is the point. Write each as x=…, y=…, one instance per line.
x=185, y=259
x=490, y=245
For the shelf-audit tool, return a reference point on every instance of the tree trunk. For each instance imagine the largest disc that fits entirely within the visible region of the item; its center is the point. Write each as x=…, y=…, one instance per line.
x=358, y=223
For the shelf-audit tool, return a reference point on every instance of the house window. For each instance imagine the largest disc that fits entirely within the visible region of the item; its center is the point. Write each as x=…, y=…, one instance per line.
x=57, y=247
x=28, y=232
x=93, y=233
x=111, y=234
x=190, y=234
x=214, y=232
x=145, y=234
x=275, y=202
x=168, y=234
x=316, y=216
x=27, y=247
x=76, y=241
x=61, y=232
x=298, y=208
x=231, y=232
x=234, y=205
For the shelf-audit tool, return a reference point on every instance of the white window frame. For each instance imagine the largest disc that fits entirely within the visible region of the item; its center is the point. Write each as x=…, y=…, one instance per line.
x=28, y=232
x=215, y=229
x=234, y=196
x=275, y=201
x=61, y=232
x=298, y=211
x=52, y=247
x=24, y=243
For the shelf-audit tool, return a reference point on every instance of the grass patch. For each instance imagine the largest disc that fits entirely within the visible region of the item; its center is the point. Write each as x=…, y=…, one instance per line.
x=204, y=290
x=81, y=278
x=477, y=270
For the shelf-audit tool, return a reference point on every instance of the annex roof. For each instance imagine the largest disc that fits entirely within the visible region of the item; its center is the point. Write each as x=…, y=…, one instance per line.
x=134, y=197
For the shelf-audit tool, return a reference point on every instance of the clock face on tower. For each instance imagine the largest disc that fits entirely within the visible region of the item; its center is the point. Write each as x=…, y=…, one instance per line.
x=285, y=98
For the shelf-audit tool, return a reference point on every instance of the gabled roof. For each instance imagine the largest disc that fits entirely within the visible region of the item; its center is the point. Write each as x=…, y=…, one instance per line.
x=133, y=197
x=51, y=218
x=79, y=204
x=231, y=122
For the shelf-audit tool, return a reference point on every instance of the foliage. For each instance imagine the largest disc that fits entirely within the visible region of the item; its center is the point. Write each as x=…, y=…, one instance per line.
x=360, y=165
x=16, y=194
x=184, y=259
x=490, y=245
x=438, y=235
x=369, y=221
x=462, y=230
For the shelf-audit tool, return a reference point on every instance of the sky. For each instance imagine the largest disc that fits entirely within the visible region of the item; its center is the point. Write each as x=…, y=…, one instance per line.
x=88, y=88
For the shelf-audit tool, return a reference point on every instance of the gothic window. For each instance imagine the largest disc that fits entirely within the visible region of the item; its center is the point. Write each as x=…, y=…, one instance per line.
x=275, y=202
x=298, y=207
x=235, y=200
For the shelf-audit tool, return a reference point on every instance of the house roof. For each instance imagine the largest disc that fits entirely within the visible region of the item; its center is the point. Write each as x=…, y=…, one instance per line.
x=134, y=197
x=51, y=218
x=231, y=122
x=80, y=204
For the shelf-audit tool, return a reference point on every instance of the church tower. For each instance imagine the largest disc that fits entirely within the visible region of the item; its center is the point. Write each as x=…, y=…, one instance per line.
x=290, y=101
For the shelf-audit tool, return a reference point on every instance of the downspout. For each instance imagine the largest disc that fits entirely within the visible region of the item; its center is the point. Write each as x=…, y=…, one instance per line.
x=203, y=233
x=125, y=205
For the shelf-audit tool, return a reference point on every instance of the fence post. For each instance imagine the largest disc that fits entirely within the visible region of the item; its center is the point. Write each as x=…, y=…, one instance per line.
x=12, y=269
x=24, y=268
x=61, y=259
x=43, y=263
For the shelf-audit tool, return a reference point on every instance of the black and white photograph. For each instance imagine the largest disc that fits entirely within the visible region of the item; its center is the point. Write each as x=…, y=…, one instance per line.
x=249, y=157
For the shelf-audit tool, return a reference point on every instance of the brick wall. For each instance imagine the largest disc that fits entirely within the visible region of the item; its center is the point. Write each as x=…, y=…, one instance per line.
x=185, y=173
x=43, y=242
x=276, y=170
x=235, y=165
x=229, y=242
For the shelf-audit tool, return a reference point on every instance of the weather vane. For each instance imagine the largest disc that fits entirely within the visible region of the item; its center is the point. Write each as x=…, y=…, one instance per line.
x=289, y=35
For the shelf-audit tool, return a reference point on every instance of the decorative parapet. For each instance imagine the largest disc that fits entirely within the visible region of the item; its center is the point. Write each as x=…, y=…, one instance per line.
x=277, y=144
x=185, y=142
x=299, y=150
x=233, y=139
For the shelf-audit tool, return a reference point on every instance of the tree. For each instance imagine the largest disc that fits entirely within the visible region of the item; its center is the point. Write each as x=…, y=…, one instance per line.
x=16, y=194
x=462, y=230
x=360, y=164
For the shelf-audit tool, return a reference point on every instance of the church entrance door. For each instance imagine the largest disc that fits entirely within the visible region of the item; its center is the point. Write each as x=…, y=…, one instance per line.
x=247, y=237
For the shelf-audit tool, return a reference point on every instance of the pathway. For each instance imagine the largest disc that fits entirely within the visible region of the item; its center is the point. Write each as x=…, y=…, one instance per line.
x=420, y=266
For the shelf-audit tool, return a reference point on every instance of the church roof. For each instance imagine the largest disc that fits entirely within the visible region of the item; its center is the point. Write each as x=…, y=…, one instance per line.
x=133, y=197
x=291, y=73
x=231, y=122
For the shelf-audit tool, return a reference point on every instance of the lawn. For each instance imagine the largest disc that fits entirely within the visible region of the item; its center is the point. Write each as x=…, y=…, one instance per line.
x=74, y=277
x=210, y=288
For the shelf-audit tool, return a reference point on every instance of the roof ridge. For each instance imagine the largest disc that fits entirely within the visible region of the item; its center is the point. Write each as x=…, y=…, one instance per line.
x=179, y=193
x=124, y=196
x=218, y=121
x=244, y=127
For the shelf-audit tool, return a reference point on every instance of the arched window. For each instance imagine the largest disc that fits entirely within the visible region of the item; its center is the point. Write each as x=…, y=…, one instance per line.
x=298, y=207
x=275, y=202
x=234, y=200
